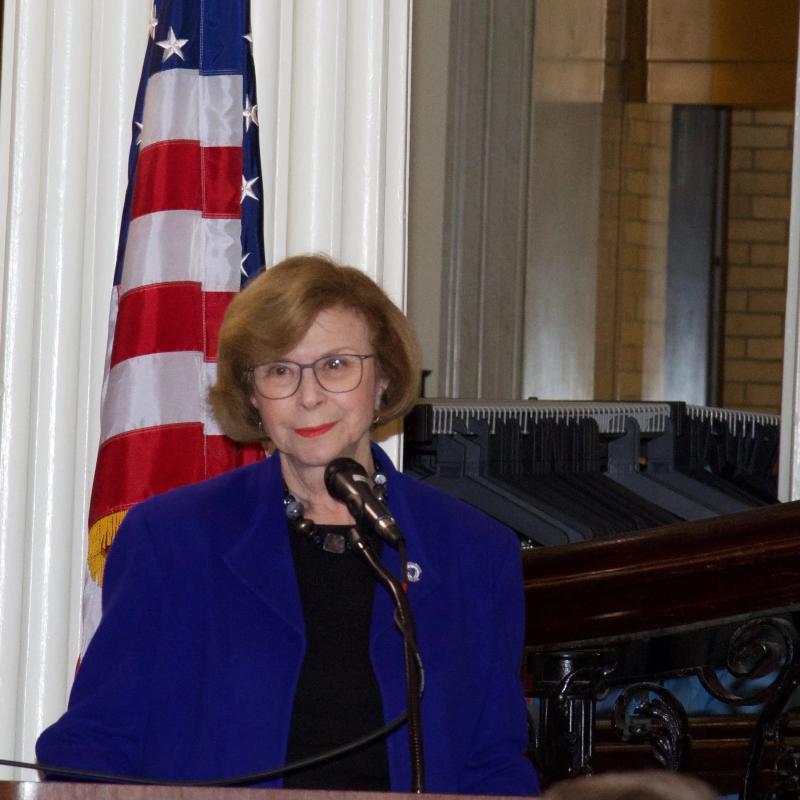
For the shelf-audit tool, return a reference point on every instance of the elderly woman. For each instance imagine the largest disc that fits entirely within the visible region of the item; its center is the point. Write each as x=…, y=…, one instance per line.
x=239, y=630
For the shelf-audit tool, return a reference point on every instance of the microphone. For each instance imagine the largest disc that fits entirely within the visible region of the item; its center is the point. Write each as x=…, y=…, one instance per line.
x=346, y=480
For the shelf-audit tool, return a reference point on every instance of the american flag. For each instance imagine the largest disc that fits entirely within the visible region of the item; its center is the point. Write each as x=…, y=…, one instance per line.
x=191, y=234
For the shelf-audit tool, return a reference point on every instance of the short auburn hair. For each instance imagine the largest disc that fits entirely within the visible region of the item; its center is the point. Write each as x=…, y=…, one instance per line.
x=275, y=310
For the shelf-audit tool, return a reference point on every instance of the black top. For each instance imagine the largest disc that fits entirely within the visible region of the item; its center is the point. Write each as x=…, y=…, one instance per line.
x=337, y=699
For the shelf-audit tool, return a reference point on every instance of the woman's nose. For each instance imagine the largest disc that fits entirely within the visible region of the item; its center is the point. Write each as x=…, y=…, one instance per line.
x=309, y=392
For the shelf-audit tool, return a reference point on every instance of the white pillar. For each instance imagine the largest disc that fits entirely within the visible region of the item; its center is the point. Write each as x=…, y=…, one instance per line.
x=332, y=85
x=333, y=80
x=70, y=68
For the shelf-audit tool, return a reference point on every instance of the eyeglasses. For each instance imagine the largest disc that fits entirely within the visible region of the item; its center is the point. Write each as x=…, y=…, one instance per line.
x=338, y=373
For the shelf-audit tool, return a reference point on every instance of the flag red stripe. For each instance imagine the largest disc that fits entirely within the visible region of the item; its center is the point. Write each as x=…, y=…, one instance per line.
x=159, y=318
x=216, y=303
x=177, y=175
x=138, y=464
x=222, y=182
x=223, y=454
x=141, y=463
x=166, y=318
x=167, y=178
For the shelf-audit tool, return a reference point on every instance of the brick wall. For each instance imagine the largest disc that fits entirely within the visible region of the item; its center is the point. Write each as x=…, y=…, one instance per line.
x=758, y=236
x=642, y=258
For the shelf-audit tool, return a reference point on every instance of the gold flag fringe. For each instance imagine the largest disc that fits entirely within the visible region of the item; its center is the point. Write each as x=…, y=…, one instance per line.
x=101, y=534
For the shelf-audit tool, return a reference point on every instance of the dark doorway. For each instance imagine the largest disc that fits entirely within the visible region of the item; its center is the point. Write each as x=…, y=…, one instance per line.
x=696, y=253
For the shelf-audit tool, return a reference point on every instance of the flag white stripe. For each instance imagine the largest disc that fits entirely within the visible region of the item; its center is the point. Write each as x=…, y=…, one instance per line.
x=183, y=246
x=174, y=98
x=221, y=112
x=159, y=389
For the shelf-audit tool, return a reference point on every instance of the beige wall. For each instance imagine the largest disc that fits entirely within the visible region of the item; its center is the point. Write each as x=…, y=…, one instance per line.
x=561, y=276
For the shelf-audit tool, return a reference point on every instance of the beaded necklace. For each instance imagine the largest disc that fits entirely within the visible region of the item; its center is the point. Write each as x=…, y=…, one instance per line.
x=325, y=536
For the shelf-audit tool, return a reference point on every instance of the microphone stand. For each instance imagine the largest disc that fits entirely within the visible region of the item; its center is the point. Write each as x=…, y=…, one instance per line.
x=413, y=664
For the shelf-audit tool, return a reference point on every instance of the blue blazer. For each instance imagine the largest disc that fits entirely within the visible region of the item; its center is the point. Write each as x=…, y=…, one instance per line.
x=192, y=671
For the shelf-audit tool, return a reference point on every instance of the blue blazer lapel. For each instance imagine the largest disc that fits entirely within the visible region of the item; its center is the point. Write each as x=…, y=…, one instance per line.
x=428, y=580
x=261, y=557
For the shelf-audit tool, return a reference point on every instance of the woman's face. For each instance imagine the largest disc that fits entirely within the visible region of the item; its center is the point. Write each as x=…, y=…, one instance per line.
x=314, y=426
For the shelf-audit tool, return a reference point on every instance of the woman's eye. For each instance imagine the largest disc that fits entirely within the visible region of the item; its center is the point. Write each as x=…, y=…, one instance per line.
x=335, y=363
x=278, y=370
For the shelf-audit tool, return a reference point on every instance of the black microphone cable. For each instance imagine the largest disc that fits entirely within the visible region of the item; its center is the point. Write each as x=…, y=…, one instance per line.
x=413, y=661
x=234, y=780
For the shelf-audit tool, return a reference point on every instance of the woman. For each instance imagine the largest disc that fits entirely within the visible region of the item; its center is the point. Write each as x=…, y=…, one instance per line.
x=240, y=633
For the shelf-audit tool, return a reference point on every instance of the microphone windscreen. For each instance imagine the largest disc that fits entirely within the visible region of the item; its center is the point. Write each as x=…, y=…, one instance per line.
x=338, y=469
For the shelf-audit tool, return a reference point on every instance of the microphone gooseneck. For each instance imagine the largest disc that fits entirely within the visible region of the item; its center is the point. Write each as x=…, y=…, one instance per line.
x=346, y=480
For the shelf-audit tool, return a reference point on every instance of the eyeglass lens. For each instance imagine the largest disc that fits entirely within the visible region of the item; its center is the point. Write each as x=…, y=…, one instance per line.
x=341, y=372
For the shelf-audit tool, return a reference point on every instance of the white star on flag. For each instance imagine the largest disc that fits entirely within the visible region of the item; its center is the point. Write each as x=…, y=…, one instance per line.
x=249, y=37
x=247, y=189
x=153, y=23
x=172, y=46
x=250, y=114
x=241, y=265
x=139, y=135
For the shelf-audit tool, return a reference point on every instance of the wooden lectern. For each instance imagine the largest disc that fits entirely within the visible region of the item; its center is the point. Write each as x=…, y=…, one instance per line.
x=12, y=790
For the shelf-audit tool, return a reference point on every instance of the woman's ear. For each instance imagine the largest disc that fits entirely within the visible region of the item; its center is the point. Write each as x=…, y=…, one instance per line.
x=381, y=385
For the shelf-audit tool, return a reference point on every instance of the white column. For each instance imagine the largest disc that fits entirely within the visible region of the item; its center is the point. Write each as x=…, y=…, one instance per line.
x=333, y=80
x=789, y=467
x=332, y=84
x=70, y=69
x=333, y=95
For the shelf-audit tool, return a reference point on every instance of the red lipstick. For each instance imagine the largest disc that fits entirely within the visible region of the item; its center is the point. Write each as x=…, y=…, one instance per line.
x=310, y=433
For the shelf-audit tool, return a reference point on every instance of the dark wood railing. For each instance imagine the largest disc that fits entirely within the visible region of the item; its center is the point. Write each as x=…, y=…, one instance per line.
x=690, y=573
x=590, y=606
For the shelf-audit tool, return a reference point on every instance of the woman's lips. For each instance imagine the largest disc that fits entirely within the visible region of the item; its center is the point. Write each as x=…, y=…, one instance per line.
x=310, y=433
